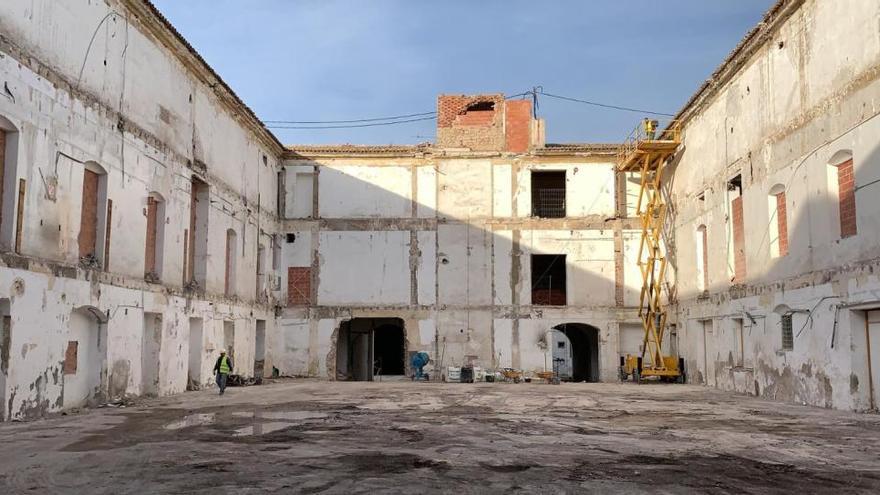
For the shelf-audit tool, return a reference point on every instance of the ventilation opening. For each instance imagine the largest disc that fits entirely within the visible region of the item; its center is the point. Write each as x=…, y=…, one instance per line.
x=548, y=194
x=548, y=280
x=369, y=348
x=482, y=106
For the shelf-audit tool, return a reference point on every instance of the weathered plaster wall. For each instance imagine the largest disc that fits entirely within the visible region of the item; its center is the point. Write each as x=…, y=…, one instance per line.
x=443, y=241
x=806, y=94
x=134, y=106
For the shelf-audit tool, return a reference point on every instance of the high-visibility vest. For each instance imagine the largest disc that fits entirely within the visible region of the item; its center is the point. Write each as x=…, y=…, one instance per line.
x=224, y=365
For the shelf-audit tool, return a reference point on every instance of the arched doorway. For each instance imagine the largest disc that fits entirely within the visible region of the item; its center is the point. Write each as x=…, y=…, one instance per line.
x=84, y=357
x=583, y=340
x=367, y=348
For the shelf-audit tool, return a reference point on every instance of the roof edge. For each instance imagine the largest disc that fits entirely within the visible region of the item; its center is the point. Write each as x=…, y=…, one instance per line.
x=739, y=56
x=159, y=26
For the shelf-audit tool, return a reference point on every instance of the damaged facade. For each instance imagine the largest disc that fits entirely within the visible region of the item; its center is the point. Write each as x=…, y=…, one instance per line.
x=145, y=226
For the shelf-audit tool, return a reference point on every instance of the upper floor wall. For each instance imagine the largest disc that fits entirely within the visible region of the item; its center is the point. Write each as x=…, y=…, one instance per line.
x=472, y=188
x=764, y=188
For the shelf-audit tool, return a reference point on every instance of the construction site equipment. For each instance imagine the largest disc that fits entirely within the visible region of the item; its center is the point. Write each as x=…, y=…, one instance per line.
x=418, y=361
x=646, y=153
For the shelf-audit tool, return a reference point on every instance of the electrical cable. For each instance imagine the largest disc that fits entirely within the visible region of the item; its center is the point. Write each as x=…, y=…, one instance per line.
x=395, y=117
x=353, y=126
x=603, y=105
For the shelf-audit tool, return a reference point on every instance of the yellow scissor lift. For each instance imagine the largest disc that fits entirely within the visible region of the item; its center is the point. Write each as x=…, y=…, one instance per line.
x=646, y=152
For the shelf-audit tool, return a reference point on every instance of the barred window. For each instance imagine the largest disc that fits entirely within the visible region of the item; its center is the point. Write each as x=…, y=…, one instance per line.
x=787, y=334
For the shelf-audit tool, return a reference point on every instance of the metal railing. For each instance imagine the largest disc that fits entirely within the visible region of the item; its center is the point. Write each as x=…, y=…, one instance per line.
x=650, y=130
x=548, y=203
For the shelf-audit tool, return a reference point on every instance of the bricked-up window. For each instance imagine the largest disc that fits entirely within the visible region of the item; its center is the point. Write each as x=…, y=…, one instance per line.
x=846, y=193
x=154, y=243
x=548, y=194
x=702, y=259
x=549, y=280
x=9, y=227
x=737, y=229
x=231, y=258
x=778, y=221
x=92, y=238
x=70, y=358
x=299, y=286
x=787, y=333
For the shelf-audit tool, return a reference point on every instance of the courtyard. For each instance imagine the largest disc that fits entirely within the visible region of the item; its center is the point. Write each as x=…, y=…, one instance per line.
x=307, y=436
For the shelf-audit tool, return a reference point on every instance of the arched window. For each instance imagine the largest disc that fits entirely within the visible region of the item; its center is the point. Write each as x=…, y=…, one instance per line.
x=93, y=238
x=702, y=259
x=778, y=225
x=155, y=240
x=842, y=181
x=231, y=257
x=10, y=224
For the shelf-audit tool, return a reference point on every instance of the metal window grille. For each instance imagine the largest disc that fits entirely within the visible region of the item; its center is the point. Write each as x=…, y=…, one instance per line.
x=787, y=334
x=549, y=203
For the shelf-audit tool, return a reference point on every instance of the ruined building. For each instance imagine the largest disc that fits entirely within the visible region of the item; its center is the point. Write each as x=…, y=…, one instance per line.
x=144, y=226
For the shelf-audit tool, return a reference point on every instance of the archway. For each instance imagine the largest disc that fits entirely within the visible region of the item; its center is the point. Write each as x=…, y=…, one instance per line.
x=367, y=348
x=84, y=357
x=584, y=343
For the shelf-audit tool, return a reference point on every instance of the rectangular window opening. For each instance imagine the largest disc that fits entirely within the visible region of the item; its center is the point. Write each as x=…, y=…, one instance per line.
x=787, y=333
x=549, y=280
x=548, y=194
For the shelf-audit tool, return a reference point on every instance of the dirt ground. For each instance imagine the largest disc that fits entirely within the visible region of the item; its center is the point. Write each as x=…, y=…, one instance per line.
x=303, y=436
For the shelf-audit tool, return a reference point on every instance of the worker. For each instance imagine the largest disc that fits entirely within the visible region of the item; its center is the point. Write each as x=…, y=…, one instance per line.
x=222, y=368
x=650, y=128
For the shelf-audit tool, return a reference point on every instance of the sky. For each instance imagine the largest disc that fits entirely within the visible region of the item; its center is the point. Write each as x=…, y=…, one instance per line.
x=322, y=60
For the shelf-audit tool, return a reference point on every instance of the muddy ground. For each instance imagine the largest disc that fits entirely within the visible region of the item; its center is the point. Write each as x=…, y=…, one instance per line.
x=335, y=437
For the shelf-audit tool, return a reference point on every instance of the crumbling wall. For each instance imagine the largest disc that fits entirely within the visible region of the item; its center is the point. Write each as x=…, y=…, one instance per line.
x=801, y=94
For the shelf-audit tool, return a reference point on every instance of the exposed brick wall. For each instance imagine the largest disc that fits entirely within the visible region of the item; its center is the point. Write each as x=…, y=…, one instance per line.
x=150, y=248
x=847, y=199
x=518, y=123
x=549, y=297
x=782, y=223
x=739, y=241
x=480, y=130
x=299, y=286
x=70, y=357
x=88, y=224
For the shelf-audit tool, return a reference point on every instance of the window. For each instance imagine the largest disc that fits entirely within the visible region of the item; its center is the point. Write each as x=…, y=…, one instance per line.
x=842, y=179
x=702, y=259
x=737, y=230
x=93, y=238
x=738, y=343
x=261, y=273
x=787, y=333
x=299, y=286
x=153, y=249
x=231, y=258
x=200, y=201
x=10, y=224
x=70, y=357
x=548, y=280
x=548, y=194
x=778, y=221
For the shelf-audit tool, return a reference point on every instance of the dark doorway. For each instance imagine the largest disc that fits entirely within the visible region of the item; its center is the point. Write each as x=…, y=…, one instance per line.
x=367, y=348
x=584, y=350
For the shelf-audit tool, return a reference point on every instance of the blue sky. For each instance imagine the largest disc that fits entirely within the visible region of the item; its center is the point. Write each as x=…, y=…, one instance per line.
x=321, y=60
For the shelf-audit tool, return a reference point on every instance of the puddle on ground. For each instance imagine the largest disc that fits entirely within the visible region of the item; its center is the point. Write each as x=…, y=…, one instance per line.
x=281, y=415
x=258, y=429
x=191, y=420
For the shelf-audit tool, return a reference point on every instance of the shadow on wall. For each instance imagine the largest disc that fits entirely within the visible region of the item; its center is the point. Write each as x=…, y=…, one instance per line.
x=399, y=250
x=792, y=329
